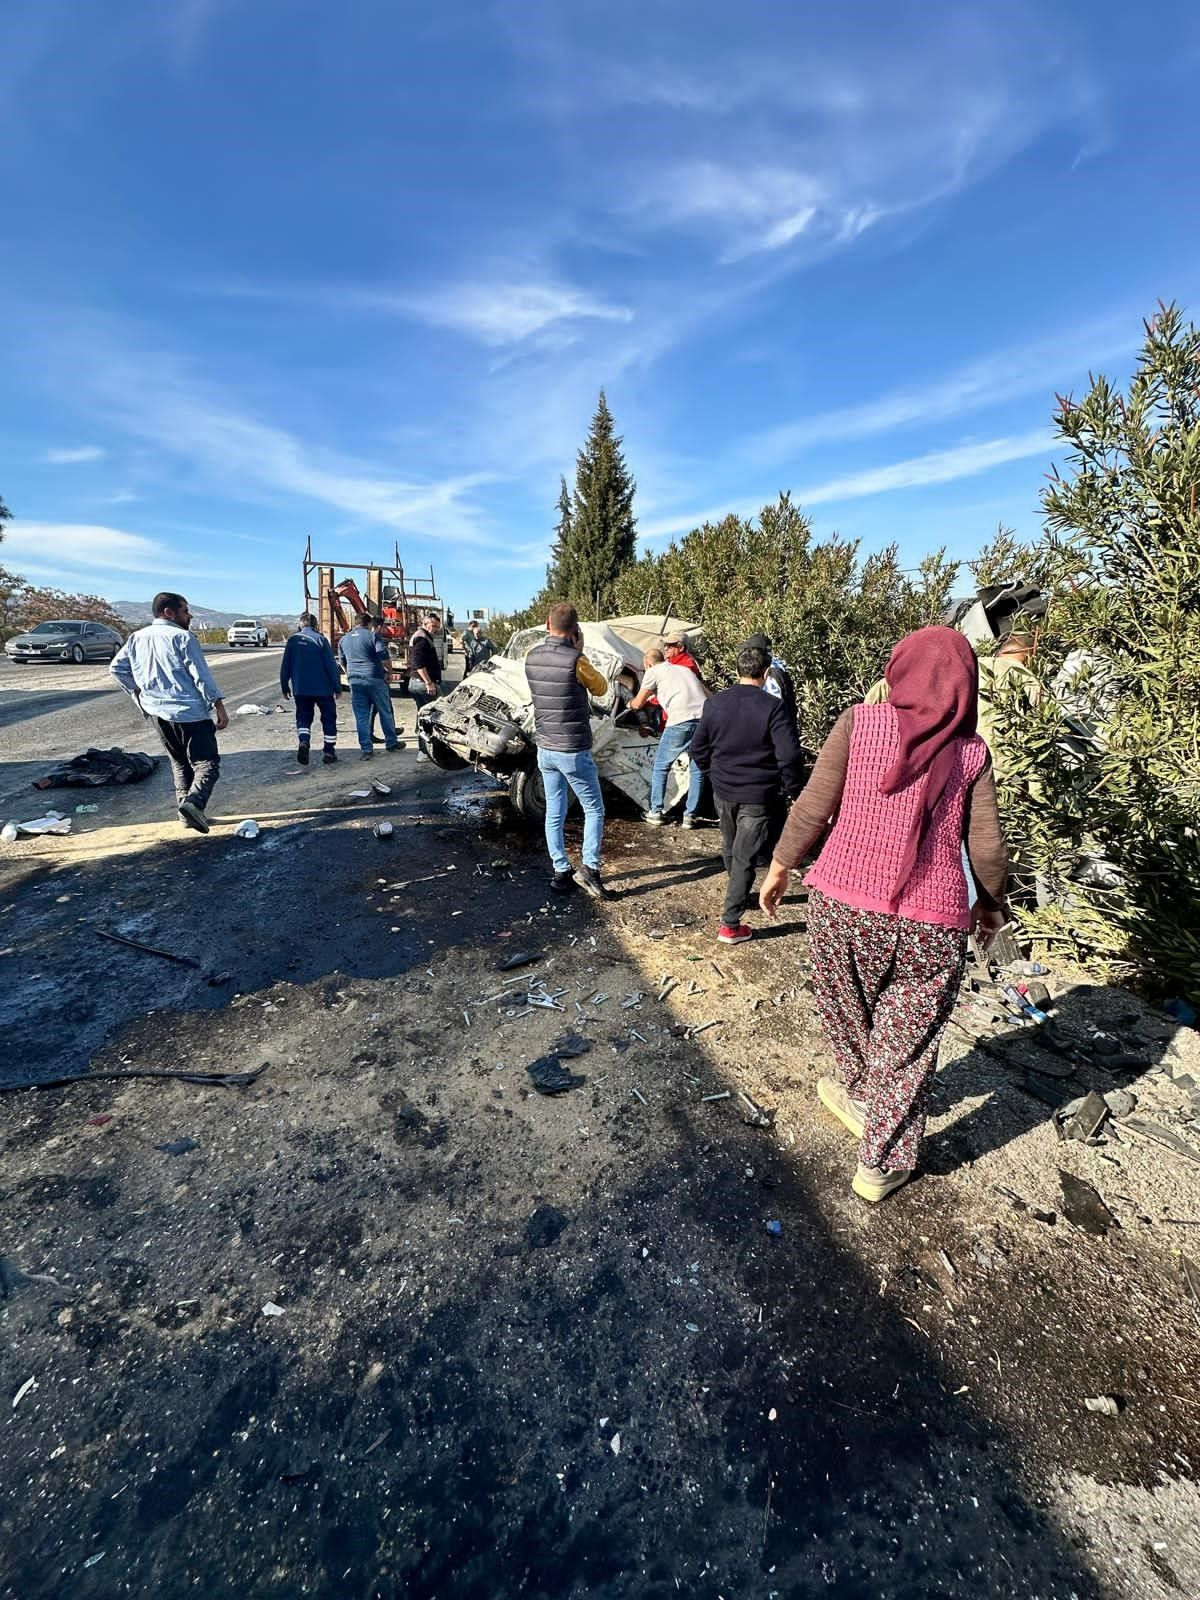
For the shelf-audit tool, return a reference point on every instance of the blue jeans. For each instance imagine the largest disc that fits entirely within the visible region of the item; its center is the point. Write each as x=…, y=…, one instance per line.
x=371, y=693
x=576, y=769
x=676, y=738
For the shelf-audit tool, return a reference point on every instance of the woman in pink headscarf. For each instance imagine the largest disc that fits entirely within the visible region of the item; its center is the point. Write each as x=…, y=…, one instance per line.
x=904, y=784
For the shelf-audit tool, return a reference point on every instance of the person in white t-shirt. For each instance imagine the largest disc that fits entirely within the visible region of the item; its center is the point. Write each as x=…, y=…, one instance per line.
x=681, y=694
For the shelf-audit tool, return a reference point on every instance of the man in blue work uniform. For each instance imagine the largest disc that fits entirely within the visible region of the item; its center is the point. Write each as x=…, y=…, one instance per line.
x=310, y=674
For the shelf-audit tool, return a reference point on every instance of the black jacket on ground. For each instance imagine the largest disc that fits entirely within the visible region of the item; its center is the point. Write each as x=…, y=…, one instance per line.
x=561, y=711
x=747, y=744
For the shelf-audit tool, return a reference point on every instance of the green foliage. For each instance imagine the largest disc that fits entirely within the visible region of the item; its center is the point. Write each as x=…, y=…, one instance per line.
x=1121, y=563
x=595, y=535
x=832, y=618
x=5, y=516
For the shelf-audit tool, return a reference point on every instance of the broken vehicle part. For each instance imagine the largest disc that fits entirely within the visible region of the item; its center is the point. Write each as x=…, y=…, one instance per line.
x=549, y=1076
x=1106, y=1404
x=1083, y=1206
x=754, y=1115
x=486, y=721
x=519, y=958
x=1160, y=1135
x=1082, y=1119
x=147, y=949
x=569, y=1045
x=218, y=1080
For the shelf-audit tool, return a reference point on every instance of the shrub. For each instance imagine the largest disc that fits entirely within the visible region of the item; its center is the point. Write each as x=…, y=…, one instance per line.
x=1106, y=765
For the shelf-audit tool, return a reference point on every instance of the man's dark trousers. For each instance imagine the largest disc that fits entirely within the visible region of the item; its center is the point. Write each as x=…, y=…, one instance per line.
x=748, y=835
x=306, y=704
x=195, y=763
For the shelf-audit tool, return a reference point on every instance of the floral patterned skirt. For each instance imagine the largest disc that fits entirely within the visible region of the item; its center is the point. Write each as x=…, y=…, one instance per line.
x=885, y=987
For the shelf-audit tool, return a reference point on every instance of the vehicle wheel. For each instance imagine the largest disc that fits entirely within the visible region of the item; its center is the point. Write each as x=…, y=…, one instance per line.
x=527, y=796
x=78, y=654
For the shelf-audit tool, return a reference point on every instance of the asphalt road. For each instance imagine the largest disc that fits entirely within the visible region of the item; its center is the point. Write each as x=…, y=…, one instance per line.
x=54, y=711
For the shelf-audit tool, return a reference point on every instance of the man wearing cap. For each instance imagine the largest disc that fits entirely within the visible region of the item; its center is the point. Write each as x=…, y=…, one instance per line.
x=677, y=654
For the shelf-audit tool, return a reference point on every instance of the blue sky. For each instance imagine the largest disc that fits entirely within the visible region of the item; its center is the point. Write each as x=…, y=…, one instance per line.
x=274, y=268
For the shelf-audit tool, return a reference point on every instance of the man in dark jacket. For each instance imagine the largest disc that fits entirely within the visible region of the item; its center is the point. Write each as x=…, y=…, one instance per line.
x=309, y=674
x=424, y=667
x=560, y=680
x=747, y=744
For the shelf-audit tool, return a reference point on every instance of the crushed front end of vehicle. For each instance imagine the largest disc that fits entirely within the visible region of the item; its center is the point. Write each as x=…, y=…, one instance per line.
x=486, y=721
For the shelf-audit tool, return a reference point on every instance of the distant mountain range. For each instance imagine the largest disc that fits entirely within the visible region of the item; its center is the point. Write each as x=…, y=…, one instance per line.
x=137, y=613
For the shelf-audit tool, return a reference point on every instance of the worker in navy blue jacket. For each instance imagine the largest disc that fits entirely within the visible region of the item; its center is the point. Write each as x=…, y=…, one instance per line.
x=309, y=674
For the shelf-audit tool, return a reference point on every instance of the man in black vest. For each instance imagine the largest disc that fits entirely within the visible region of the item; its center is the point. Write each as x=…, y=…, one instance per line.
x=560, y=680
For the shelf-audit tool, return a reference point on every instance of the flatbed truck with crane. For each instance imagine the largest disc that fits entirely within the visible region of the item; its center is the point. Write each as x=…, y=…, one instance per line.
x=339, y=593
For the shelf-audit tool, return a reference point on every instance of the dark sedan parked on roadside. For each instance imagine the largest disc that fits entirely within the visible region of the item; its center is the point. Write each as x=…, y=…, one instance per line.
x=65, y=641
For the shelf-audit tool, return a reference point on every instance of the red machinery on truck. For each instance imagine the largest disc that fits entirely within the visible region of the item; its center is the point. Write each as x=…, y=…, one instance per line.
x=338, y=600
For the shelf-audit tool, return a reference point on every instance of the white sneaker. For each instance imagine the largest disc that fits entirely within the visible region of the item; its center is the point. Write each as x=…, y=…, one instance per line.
x=421, y=756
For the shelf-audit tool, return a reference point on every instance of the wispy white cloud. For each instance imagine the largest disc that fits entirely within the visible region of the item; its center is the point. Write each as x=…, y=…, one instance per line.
x=242, y=456
x=1039, y=367
x=507, y=313
x=758, y=208
x=936, y=466
x=58, y=548
x=507, y=310
x=73, y=456
x=803, y=154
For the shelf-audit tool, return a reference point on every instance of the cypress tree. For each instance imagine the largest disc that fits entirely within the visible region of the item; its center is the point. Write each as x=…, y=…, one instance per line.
x=562, y=541
x=596, y=542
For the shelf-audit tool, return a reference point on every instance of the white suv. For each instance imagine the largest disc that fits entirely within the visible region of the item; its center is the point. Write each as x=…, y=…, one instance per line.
x=247, y=632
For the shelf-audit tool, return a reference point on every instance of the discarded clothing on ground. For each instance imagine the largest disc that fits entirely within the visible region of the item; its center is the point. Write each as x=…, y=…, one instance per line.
x=96, y=767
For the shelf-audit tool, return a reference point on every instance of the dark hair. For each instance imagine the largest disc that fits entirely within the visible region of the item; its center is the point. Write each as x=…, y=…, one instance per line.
x=752, y=662
x=166, y=601
x=759, y=642
x=563, y=617
x=365, y=619
x=307, y=620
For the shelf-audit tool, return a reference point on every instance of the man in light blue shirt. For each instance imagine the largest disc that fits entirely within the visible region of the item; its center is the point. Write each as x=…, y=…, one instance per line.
x=164, y=669
x=364, y=654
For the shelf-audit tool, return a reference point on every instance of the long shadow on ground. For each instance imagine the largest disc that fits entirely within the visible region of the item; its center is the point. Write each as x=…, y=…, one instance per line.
x=499, y=1373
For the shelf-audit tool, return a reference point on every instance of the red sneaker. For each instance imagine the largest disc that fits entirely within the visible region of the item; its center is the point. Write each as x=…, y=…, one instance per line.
x=737, y=935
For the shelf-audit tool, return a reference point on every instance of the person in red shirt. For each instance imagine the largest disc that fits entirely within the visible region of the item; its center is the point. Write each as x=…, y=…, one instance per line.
x=677, y=654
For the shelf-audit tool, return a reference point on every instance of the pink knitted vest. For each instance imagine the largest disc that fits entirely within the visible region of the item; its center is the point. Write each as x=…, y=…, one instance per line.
x=861, y=857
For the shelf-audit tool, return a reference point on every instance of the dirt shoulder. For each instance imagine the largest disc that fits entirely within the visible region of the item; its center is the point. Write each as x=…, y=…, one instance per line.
x=548, y=1346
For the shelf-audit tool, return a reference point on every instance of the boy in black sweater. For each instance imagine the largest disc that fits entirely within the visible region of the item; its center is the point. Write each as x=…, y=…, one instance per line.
x=747, y=744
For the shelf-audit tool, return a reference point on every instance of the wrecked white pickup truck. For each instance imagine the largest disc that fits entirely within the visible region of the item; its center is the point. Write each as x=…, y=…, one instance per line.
x=486, y=721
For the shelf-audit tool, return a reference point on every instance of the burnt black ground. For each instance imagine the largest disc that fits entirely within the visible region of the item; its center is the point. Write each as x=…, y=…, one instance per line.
x=435, y=1411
